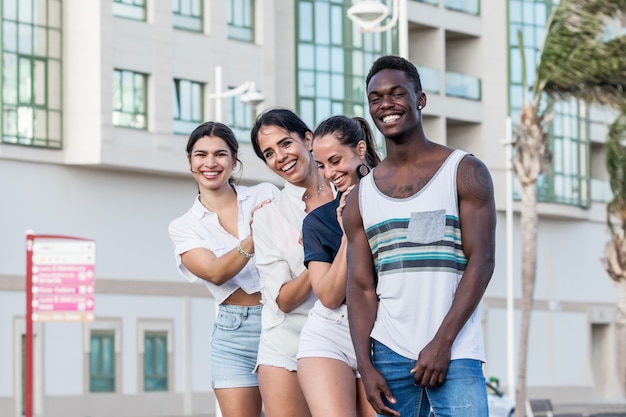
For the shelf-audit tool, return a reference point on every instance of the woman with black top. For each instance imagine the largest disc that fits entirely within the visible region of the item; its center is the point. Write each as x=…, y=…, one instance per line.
x=345, y=151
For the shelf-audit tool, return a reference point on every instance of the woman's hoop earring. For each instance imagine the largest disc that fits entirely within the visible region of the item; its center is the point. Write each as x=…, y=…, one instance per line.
x=362, y=170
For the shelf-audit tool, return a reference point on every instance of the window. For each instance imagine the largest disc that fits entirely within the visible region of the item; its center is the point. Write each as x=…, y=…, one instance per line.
x=241, y=20
x=102, y=362
x=187, y=14
x=333, y=57
x=129, y=99
x=154, y=341
x=463, y=86
x=188, y=109
x=155, y=363
x=241, y=119
x=32, y=73
x=130, y=9
x=569, y=177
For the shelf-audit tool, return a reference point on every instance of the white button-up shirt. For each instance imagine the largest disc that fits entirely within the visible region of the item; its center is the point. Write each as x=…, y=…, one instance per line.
x=200, y=228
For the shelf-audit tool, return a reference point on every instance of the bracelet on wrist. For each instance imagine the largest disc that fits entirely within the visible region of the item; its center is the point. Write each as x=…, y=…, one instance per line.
x=243, y=252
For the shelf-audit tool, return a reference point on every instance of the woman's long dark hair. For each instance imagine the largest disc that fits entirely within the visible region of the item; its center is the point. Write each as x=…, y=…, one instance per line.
x=279, y=117
x=349, y=132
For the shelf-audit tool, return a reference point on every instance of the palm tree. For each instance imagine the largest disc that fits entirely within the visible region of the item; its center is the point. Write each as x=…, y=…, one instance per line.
x=577, y=61
x=615, y=251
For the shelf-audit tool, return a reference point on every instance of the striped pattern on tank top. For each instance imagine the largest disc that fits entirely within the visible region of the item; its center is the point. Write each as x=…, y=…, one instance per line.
x=393, y=252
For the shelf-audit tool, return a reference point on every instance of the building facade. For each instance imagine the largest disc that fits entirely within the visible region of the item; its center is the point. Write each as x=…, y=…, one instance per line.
x=97, y=101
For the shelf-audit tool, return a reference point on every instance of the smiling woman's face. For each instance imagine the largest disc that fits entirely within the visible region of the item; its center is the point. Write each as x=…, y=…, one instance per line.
x=211, y=162
x=338, y=163
x=286, y=153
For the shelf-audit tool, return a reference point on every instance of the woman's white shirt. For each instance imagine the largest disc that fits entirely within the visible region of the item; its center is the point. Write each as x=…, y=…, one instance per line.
x=200, y=228
x=278, y=251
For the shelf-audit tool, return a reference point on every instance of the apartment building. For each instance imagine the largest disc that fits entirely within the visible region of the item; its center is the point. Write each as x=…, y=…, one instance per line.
x=98, y=98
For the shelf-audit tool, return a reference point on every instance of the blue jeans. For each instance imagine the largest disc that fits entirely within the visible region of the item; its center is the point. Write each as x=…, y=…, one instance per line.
x=463, y=392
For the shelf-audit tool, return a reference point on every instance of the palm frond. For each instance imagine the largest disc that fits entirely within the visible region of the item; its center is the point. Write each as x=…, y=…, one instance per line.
x=578, y=59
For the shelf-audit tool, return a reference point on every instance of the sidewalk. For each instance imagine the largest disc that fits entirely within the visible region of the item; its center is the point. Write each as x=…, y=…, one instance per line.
x=591, y=409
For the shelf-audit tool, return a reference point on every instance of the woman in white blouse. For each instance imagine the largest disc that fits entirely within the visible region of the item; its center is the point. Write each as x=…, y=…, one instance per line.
x=283, y=141
x=213, y=242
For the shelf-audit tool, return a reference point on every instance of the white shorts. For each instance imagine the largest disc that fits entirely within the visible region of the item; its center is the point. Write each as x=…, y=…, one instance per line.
x=278, y=345
x=269, y=355
x=326, y=334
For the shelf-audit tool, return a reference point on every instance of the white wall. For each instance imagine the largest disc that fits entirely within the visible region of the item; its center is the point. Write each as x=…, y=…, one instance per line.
x=570, y=285
x=127, y=214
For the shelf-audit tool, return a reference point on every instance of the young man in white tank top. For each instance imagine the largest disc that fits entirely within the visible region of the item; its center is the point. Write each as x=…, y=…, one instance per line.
x=421, y=248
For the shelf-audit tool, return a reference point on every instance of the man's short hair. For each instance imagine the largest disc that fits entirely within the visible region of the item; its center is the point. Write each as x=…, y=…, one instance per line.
x=395, y=63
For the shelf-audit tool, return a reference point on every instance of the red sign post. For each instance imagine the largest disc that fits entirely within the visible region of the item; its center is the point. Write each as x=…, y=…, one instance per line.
x=60, y=286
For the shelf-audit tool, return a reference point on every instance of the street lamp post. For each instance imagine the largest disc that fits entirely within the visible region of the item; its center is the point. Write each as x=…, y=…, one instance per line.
x=510, y=356
x=249, y=94
x=369, y=13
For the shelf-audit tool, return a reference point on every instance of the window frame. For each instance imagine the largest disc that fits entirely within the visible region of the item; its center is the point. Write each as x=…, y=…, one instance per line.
x=102, y=335
x=180, y=124
x=32, y=74
x=102, y=325
x=120, y=6
x=331, y=66
x=119, y=111
x=238, y=12
x=150, y=381
x=193, y=22
x=568, y=140
x=237, y=116
x=152, y=327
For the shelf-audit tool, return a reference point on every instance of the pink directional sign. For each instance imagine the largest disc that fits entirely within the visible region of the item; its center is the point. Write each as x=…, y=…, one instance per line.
x=63, y=280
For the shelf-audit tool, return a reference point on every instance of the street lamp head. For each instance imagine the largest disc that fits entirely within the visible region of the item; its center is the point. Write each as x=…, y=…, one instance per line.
x=368, y=13
x=252, y=96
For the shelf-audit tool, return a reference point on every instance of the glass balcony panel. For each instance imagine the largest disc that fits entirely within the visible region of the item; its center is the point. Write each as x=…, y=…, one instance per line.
x=430, y=78
x=463, y=86
x=463, y=6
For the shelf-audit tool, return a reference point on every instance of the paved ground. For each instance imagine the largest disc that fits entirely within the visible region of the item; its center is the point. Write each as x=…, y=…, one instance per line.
x=591, y=409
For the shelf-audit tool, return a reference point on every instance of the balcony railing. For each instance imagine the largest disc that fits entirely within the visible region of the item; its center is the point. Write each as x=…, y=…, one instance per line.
x=432, y=2
x=430, y=78
x=463, y=6
x=457, y=85
x=463, y=86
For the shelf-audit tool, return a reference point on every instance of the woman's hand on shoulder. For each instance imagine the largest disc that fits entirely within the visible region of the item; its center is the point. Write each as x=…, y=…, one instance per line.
x=257, y=207
x=342, y=204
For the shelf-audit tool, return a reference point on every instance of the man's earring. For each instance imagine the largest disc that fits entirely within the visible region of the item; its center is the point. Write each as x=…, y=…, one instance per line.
x=419, y=107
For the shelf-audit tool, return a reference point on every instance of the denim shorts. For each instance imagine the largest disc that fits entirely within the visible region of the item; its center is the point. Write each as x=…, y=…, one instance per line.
x=462, y=393
x=234, y=346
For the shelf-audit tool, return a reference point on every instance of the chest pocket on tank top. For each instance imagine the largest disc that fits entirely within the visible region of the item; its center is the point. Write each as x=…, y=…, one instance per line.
x=427, y=226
